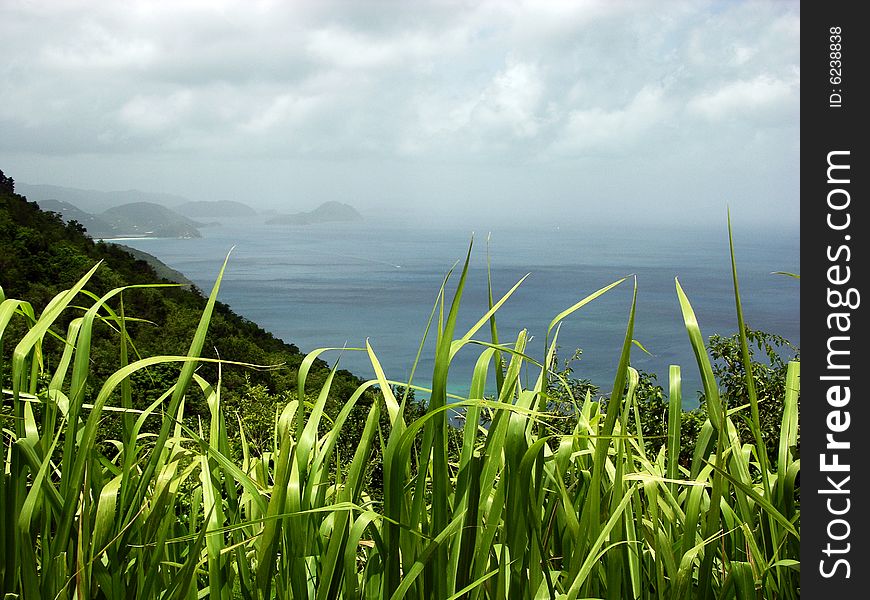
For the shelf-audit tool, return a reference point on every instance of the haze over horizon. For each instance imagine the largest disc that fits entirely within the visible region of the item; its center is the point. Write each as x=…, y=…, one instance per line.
x=481, y=110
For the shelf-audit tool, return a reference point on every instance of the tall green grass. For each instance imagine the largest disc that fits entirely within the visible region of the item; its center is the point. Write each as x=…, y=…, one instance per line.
x=518, y=512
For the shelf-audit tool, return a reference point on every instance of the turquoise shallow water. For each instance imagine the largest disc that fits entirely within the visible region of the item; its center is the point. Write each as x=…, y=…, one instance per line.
x=338, y=284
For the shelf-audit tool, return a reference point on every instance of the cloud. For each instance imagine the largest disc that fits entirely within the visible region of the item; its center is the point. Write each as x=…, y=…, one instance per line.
x=510, y=103
x=606, y=130
x=349, y=50
x=156, y=114
x=746, y=97
x=97, y=48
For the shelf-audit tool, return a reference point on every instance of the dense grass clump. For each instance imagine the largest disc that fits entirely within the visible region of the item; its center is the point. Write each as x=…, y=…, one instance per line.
x=518, y=510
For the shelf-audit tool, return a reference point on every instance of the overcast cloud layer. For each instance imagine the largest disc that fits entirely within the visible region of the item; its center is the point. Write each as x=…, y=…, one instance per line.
x=654, y=109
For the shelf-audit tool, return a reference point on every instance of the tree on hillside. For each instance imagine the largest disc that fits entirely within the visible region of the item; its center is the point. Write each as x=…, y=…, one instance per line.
x=7, y=184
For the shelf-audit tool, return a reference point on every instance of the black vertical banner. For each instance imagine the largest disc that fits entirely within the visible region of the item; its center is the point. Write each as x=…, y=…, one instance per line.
x=834, y=419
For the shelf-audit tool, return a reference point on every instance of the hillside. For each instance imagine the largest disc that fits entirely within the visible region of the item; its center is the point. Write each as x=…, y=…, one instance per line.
x=328, y=212
x=42, y=256
x=149, y=219
x=96, y=226
x=161, y=269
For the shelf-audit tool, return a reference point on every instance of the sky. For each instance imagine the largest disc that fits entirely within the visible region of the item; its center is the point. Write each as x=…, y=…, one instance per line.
x=531, y=111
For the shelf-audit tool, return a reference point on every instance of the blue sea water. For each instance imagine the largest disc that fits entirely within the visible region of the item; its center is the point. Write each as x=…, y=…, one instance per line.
x=335, y=285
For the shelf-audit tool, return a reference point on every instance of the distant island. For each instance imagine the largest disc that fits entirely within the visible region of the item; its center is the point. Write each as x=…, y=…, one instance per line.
x=135, y=219
x=328, y=212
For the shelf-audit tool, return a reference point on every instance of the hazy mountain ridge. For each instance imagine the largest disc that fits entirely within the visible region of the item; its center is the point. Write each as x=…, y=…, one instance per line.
x=95, y=201
x=135, y=213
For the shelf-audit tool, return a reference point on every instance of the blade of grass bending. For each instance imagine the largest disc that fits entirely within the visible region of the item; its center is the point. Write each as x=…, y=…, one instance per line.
x=9, y=308
x=711, y=389
x=473, y=585
x=393, y=408
x=302, y=377
x=685, y=574
x=769, y=508
x=582, y=303
x=490, y=314
x=36, y=493
x=55, y=386
x=716, y=415
x=48, y=317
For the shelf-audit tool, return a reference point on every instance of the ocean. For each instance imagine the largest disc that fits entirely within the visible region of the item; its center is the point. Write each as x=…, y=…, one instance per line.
x=338, y=284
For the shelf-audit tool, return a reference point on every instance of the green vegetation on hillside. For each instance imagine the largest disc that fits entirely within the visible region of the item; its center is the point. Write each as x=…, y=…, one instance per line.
x=95, y=225
x=161, y=269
